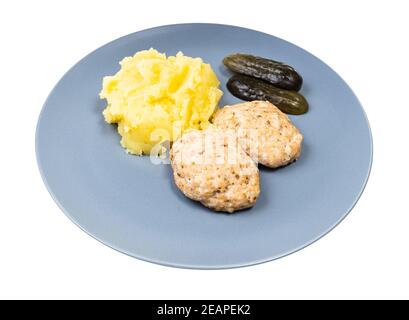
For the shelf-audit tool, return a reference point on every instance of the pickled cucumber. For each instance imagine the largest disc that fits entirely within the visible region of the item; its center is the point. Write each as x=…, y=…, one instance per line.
x=250, y=89
x=274, y=72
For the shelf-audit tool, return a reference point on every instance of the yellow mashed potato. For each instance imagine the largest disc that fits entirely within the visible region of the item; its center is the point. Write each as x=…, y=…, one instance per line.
x=155, y=99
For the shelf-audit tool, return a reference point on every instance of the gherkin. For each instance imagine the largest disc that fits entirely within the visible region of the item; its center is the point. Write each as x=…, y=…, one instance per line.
x=277, y=73
x=250, y=89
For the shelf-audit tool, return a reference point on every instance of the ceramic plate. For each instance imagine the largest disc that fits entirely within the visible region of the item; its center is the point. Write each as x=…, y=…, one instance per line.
x=132, y=205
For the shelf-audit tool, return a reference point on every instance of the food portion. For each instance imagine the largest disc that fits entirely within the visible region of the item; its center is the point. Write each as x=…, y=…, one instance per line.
x=250, y=89
x=154, y=98
x=264, y=132
x=265, y=79
x=275, y=72
x=215, y=152
x=209, y=166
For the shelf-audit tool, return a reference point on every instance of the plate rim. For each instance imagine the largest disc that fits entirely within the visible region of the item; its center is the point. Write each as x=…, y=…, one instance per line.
x=187, y=265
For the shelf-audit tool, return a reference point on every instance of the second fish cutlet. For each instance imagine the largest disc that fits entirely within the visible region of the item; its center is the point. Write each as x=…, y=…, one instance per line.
x=264, y=132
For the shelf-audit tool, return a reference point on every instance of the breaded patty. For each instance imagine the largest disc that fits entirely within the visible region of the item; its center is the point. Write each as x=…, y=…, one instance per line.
x=209, y=166
x=265, y=133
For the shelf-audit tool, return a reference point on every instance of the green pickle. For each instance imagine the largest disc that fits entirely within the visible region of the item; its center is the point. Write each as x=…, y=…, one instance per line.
x=274, y=72
x=250, y=89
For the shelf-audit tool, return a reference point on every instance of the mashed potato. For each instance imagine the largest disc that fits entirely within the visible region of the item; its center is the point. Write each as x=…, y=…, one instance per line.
x=155, y=99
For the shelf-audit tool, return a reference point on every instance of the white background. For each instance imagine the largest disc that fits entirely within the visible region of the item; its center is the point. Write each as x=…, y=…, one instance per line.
x=44, y=255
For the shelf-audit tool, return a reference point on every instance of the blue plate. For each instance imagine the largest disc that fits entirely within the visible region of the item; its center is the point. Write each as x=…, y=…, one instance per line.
x=133, y=206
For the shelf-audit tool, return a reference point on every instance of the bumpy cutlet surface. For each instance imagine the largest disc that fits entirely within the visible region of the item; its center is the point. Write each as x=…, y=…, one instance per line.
x=209, y=166
x=265, y=133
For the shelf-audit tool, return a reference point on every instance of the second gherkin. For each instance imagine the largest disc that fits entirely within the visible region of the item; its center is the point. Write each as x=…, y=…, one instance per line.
x=277, y=73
